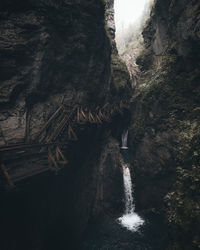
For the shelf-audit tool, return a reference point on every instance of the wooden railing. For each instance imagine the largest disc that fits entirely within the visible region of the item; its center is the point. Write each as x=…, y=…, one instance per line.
x=45, y=150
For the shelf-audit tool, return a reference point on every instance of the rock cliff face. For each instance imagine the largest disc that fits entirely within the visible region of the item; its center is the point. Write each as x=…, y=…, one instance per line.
x=56, y=52
x=165, y=120
x=120, y=78
x=52, y=52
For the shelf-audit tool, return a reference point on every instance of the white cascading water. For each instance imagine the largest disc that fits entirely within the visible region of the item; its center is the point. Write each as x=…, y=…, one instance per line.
x=130, y=219
x=124, y=139
x=129, y=206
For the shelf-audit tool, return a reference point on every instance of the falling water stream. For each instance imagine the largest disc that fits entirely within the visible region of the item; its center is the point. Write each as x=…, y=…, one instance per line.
x=130, y=231
x=124, y=139
x=130, y=219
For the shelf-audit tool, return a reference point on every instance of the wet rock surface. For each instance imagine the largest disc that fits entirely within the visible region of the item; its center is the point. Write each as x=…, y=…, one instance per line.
x=164, y=117
x=52, y=52
x=56, y=52
x=52, y=211
x=110, y=235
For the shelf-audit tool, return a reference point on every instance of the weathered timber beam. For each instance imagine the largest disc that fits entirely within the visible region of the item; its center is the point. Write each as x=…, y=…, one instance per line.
x=71, y=134
x=64, y=122
x=60, y=154
x=7, y=176
x=49, y=121
x=25, y=146
x=58, y=129
x=78, y=114
x=52, y=159
x=98, y=119
x=91, y=118
x=21, y=155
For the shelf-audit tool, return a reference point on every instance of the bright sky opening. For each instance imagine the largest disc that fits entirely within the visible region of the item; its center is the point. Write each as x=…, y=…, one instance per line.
x=128, y=11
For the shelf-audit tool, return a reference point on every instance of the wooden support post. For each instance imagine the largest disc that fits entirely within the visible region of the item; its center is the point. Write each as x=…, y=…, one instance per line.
x=49, y=121
x=49, y=159
x=8, y=178
x=71, y=134
x=57, y=131
x=101, y=116
x=91, y=118
x=83, y=115
x=78, y=114
x=60, y=154
x=105, y=106
x=112, y=111
x=62, y=125
x=98, y=119
x=52, y=159
x=22, y=147
x=57, y=154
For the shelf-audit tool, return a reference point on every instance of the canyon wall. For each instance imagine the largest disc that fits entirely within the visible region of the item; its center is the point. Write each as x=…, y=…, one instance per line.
x=53, y=53
x=164, y=132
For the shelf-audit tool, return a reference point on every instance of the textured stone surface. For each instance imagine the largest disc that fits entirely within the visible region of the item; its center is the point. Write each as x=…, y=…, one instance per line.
x=110, y=178
x=165, y=120
x=51, y=52
x=54, y=52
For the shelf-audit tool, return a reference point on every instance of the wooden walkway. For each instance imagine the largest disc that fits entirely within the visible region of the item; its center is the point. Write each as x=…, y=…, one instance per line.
x=46, y=149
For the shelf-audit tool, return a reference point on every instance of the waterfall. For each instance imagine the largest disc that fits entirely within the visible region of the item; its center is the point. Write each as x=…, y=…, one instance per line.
x=130, y=219
x=129, y=206
x=124, y=139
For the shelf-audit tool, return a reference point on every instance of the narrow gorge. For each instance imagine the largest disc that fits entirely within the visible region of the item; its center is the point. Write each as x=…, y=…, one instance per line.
x=99, y=137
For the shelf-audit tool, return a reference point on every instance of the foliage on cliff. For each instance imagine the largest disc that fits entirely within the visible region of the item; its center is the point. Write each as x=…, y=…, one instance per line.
x=165, y=121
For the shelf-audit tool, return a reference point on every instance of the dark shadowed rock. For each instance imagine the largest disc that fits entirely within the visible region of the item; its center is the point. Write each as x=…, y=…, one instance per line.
x=164, y=117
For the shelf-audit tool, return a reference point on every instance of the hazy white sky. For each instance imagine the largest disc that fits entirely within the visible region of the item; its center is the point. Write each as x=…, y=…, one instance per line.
x=128, y=11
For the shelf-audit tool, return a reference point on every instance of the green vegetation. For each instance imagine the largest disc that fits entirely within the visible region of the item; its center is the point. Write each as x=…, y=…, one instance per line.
x=164, y=103
x=183, y=202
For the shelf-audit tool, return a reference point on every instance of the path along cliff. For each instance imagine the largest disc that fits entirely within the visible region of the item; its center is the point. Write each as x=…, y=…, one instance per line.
x=58, y=54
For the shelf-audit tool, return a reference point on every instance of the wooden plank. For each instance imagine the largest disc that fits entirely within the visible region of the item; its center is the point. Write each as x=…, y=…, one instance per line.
x=2, y=148
x=63, y=162
x=91, y=118
x=8, y=178
x=71, y=132
x=100, y=114
x=78, y=114
x=58, y=130
x=83, y=114
x=105, y=106
x=51, y=157
x=31, y=174
x=48, y=122
x=59, y=152
x=98, y=119
x=20, y=155
x=64, y=123
x=103, y=116
x=25, y=146
x=51, y=128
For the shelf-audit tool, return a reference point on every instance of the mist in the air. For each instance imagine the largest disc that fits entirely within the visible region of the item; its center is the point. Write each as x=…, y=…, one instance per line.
x=130, y=17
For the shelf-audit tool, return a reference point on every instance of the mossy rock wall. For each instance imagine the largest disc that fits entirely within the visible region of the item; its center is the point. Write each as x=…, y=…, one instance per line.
x=165, y=119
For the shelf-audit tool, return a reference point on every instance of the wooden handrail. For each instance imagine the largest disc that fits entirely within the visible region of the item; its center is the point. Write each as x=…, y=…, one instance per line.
x=7, y=176
x=22, y=146
x=49, y=121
